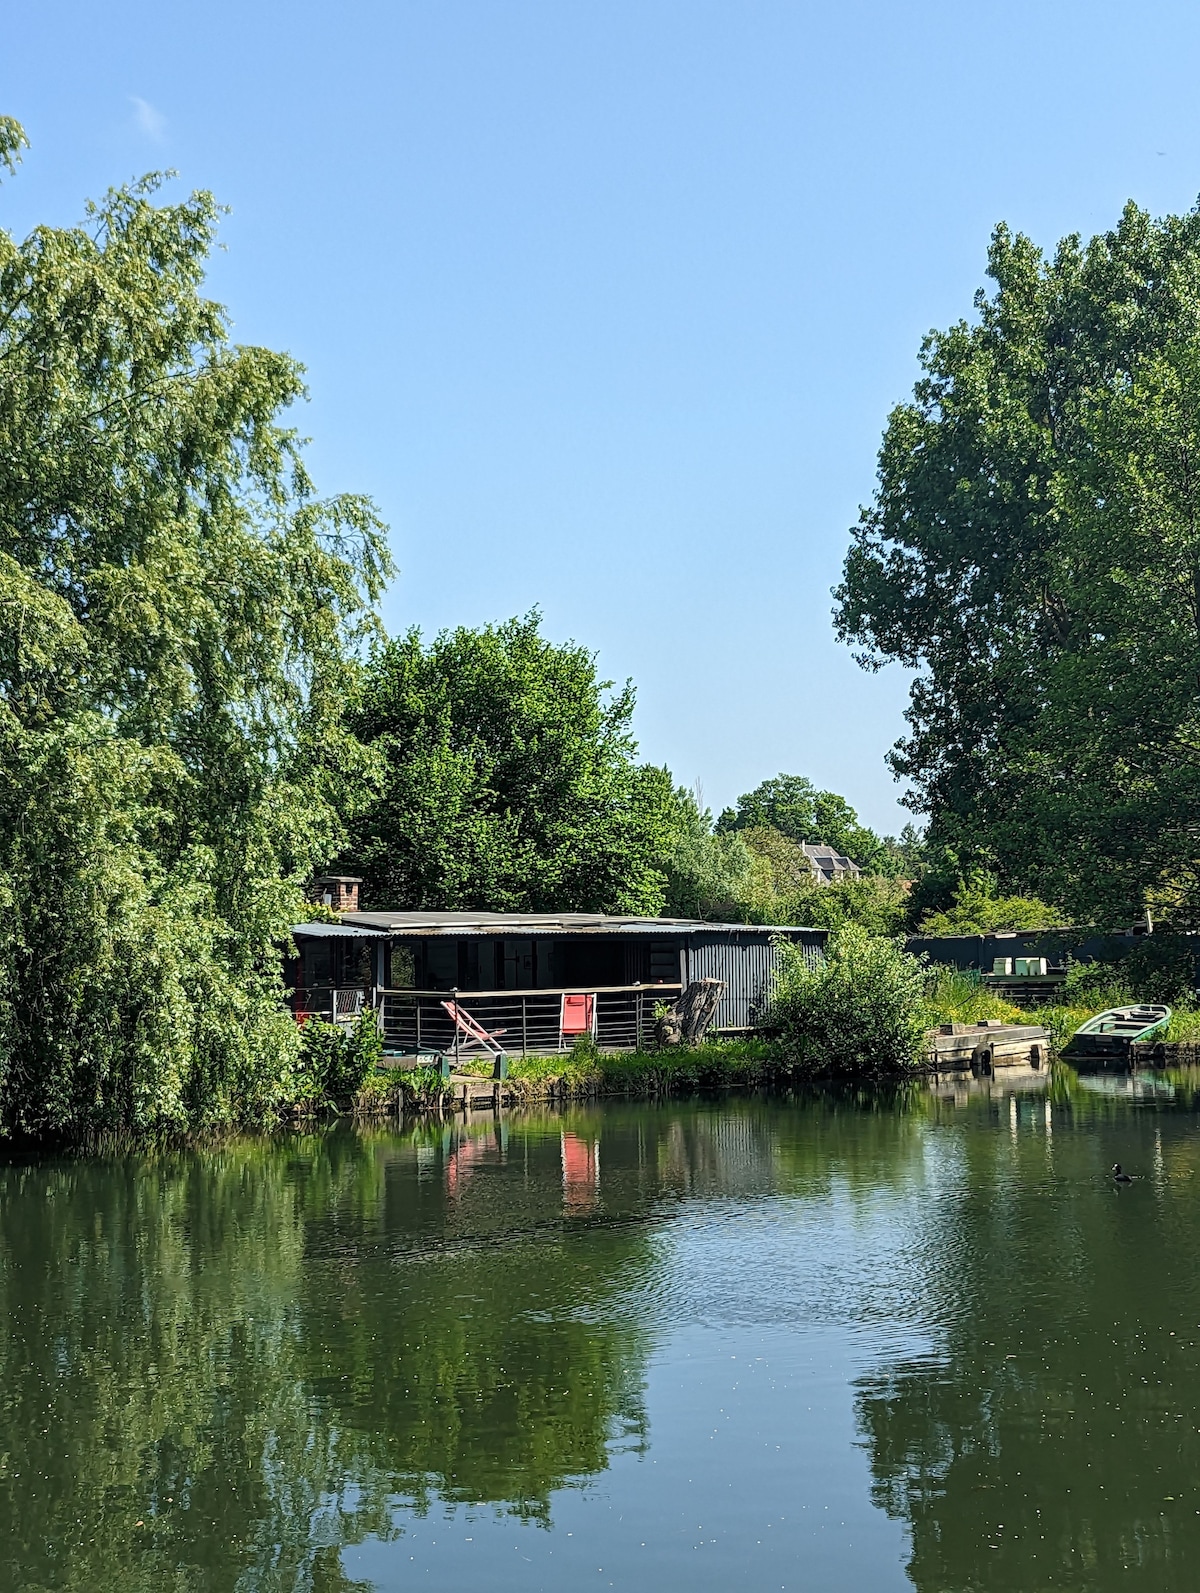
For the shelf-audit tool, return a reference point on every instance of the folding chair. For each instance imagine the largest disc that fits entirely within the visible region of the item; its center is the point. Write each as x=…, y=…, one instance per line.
x=348, y=1005
x=578, y=1017
x=475, y=1035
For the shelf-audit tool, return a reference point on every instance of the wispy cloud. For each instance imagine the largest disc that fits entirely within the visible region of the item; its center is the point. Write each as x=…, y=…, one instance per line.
x=152, y=122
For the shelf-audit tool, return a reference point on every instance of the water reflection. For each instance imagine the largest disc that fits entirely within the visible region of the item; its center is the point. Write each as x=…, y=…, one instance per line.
x=226, y=1365
x=219, y=1369
x=1055, y=1441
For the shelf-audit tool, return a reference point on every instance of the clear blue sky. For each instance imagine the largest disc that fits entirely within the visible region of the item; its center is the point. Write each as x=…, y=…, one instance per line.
x=606, y=304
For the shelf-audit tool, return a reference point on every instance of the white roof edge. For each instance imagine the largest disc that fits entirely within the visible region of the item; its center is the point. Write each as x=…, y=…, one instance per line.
x=551, y=924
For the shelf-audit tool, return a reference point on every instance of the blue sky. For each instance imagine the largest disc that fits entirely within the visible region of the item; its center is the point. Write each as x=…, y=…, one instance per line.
x=606, y=304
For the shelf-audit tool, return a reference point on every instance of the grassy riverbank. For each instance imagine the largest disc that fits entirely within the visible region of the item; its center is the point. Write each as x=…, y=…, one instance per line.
x=586, y=1072
x=957, y=997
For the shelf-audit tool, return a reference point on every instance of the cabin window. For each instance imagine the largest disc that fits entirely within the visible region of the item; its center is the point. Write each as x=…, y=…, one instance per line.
x=664, y=965
x=402, y=971
x=317, y=956
x=544, y=957
x=358, y=958
x=481, y=965
x=441, y=964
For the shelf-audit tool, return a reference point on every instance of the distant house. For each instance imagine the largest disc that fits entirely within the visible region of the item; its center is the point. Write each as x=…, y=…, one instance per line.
x=829, y=865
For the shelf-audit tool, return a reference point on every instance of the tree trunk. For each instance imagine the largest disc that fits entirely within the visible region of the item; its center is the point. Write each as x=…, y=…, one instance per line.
x=688, y=1020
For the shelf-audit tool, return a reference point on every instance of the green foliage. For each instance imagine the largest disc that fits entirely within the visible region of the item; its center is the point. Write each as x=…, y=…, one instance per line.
x=319, y=913
x=957, y=995
x=336, y=1058
x=1032, y=551
x=861, y=1011
x=784, y=891
x=509, y=779
x=1160, y=968
x=178, y=618
x=792, y=805
x=709, y=874
x=759, y=875
x=978, y=910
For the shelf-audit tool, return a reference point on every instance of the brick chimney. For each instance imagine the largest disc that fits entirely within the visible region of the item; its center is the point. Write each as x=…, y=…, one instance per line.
x=339, y=891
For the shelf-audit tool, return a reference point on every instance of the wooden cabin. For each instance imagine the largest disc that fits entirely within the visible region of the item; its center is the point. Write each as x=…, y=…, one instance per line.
x=539, y=980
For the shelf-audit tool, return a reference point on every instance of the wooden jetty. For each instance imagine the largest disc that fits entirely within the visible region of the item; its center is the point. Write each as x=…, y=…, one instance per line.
x=1164, y=1054
x=983, y=1047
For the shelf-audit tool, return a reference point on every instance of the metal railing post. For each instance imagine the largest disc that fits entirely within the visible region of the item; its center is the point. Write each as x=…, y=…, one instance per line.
x=454, y=993
x=524, y=1025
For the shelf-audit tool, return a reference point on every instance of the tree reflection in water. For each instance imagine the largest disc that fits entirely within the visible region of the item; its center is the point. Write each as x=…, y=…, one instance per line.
x=219, y=1367
x=1056, y=1442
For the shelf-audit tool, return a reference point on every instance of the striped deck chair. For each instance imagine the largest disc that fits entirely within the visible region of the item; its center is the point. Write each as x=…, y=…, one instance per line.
x=473, y=1034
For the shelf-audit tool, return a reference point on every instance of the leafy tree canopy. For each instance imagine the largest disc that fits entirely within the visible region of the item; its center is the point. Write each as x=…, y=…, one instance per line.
x=509, y=779
x=792, y=805
x=178, y=616
x=761, y=876
x=710, y=874
x=978, y=909
x=1033, y=551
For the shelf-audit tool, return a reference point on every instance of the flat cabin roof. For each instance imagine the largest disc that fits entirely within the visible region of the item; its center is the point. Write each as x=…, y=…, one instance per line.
x=474, y=923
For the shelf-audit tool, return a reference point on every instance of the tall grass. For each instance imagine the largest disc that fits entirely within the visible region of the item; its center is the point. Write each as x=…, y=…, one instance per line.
x=956, y=995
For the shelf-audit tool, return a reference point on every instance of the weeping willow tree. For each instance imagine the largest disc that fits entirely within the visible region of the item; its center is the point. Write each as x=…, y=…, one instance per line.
x=179, y=612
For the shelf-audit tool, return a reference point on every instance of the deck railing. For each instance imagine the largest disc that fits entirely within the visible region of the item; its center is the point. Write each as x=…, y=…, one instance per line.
x=336, y=1003
x=524, y=1022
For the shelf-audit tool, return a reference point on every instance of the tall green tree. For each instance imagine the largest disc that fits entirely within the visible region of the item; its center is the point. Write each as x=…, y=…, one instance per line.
x=1033, y=552
x=792, y=805
x=510, y=780
x=178, y=615
x=710, y=873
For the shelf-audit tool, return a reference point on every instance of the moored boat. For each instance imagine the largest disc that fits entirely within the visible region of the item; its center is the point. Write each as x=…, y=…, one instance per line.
x=1110, y=1035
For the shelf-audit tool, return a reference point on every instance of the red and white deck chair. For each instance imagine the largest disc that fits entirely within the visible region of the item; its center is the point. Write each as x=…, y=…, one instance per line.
x=471, y=1033
x=578, y=1017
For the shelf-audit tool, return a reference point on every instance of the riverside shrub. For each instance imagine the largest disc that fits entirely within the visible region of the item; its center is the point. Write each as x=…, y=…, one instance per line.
x=860, y=1012
x=336, y=1060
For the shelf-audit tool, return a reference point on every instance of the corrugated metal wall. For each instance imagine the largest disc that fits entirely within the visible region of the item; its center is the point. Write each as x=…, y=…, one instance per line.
x=747, y=963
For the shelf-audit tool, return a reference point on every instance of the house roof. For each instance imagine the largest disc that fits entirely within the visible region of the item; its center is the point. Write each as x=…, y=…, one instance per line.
x=479, y=923
x=341, y=931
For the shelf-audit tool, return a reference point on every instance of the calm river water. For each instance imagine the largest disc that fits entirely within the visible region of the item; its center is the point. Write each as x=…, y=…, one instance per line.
x=830, y=1342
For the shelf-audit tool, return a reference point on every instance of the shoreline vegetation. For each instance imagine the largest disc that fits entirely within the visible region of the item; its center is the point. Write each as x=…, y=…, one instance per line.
x=892, y=1002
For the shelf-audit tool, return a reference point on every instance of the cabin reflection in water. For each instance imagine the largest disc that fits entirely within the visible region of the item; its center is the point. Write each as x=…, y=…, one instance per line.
x=534, y=981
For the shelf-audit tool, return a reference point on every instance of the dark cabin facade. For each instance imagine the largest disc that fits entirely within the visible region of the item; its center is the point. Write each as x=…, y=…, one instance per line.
x=512, y=974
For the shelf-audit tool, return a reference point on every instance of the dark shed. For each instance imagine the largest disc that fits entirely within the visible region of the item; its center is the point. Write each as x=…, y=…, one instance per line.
x=512, y=971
